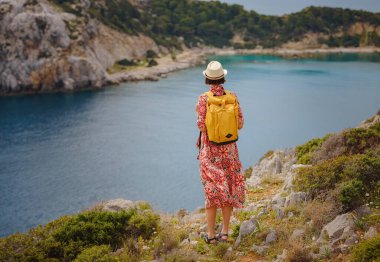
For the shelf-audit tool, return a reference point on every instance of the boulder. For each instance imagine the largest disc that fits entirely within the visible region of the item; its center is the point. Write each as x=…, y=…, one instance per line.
x=340, y=228
x=295, y=198
x=297, y=233
x=351, y=240
x=277, y=165
x=181, y=213
x=261, y=250
x=362, y=210
x=271, y=237
x=246, y=228
x=370, y=233
x=282, y=257
x=280, y=213
x=278, y=200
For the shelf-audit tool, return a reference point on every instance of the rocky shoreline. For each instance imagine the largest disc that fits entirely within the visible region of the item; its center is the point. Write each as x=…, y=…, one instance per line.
x=196, y=56
x=193, y=57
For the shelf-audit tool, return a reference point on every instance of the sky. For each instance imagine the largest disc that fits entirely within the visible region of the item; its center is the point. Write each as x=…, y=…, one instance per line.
x=280, y=7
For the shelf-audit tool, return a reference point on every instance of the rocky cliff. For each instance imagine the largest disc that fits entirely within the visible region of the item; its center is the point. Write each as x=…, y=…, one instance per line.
x=44, y=49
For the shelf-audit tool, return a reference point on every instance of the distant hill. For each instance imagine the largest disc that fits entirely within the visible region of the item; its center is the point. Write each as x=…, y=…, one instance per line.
x=220, y=24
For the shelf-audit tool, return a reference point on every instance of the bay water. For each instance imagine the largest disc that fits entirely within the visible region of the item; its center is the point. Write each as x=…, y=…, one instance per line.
x=61, y=153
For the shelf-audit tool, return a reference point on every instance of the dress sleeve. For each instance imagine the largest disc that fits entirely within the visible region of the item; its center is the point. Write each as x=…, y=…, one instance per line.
x=201, y=112
x=240, y=115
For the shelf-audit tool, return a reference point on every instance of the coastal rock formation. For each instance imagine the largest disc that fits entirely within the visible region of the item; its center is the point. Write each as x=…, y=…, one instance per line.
x=44, y=49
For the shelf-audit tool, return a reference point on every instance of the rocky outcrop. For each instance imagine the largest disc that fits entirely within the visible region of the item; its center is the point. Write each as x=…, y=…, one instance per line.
x=340, y=228
x=44, y=49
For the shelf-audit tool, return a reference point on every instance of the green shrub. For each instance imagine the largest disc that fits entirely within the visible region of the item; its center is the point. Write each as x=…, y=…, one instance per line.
x=236, y=230
x=35, y=245
x=353, y=175
x=305, y=152
x=104, y=227
x=248, y=173
x=94, y=227
x=95, y=253
x=151, y=54
x=142, y=224
x=349, y=142
x=352, y=193
x=168, y=238
x=367, y=251
x=67, y=237
x=152, y=62
x=126, y=62
x=359, y=140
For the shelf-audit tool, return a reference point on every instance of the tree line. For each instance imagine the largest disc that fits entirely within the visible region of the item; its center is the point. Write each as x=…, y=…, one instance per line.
x=215, y=23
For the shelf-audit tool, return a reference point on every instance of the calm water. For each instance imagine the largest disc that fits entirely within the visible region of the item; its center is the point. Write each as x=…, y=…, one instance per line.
x=61, y=153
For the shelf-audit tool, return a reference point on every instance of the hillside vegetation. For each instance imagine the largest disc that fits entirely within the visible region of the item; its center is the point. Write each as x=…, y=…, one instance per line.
x=324, y=210
x=218, y=24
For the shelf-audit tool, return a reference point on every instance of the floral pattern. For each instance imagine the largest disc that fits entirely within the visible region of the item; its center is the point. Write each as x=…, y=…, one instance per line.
x=220, y=167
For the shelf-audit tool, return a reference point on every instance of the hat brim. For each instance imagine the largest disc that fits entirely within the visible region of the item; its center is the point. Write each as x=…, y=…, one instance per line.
x=215, y=78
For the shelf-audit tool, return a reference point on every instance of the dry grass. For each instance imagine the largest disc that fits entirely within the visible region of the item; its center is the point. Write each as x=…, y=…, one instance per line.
x=257, y=194
x=185, y=254
x=298, y=253
x=168, y=238
x=320, y=212
x=272, y=180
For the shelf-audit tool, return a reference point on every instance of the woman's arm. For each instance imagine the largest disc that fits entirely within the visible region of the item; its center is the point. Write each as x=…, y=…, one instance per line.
x=240, y=115
x=201, y=113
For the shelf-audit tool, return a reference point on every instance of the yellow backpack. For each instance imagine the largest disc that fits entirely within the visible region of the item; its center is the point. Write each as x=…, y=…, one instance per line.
x=222, y=118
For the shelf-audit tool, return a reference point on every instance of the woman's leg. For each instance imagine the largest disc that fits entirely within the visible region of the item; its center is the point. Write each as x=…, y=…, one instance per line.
x=226, y=212
x=211, y=216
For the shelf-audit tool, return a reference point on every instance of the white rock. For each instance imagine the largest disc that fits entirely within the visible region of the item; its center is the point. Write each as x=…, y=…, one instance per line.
x=340, y=228
x=297, y=233
x=370, y=233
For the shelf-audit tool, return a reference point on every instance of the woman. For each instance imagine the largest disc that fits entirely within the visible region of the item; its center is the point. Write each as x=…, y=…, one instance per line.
x=220, y=167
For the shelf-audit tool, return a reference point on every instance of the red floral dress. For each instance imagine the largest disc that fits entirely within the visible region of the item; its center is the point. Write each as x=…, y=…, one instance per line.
x=220, y=167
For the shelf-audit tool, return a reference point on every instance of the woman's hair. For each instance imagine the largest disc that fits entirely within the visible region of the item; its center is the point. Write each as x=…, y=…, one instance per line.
x=214, y=82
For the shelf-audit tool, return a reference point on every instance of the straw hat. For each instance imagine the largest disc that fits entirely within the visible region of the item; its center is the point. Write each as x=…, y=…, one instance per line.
x=214, y=71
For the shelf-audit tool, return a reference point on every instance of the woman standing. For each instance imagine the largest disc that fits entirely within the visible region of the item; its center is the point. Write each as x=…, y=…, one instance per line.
x=220, y=167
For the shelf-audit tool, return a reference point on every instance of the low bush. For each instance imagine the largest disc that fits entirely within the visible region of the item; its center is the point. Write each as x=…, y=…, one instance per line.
x=305, y=152
x=126, y=62
x=355, y=177
x=181, y=255
x=67, y=237
x=248, y=173
x=168, y=238
x=320, y=212
x=298, y=253
x=367, y=251
x=151, y=54
x=95, y=253
x=352, y=193
x=349, y=142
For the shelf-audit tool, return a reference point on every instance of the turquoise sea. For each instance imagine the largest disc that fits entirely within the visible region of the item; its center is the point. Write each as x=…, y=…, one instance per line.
x=61, y=153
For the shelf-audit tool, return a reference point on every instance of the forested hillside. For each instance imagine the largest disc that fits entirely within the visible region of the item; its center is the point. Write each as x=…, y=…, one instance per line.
x=219, y=24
